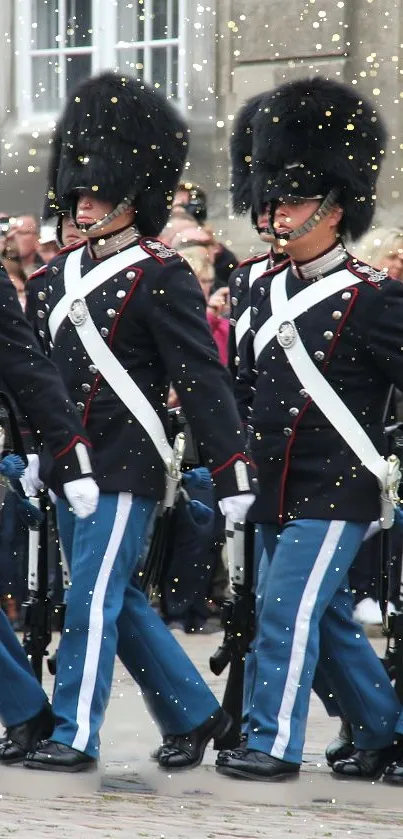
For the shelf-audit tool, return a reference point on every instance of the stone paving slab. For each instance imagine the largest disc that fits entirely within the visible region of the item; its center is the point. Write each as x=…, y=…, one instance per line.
x=131, y=797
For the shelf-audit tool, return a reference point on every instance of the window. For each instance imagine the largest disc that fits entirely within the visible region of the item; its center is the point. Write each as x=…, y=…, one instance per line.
x=63, y=41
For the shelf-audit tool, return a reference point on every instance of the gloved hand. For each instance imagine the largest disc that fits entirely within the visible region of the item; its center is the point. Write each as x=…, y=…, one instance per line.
x=82, y=495
x=30, y=480
x=236, y=507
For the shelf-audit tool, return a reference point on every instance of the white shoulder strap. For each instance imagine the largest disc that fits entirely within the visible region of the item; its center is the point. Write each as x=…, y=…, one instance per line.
x=96, y=348
x=301, y=302
x=319, y=389
x=75, y=286
x=243, y=324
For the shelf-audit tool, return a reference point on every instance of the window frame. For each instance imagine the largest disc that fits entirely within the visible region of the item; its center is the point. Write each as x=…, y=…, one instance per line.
x=104, y=52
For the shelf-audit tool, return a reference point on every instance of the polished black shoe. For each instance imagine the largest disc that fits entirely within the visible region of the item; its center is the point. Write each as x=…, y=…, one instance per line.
x=394, y=772
x=256, y=766
x=185, y=751
x=23, y=738
x=167, y=741
x=342, y=746
x=367, y=764
x=226, y=754
x=56, y=757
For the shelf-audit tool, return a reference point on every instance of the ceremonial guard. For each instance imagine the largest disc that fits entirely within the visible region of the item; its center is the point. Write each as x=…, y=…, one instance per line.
x=241, y=282
x=33, y=382
x=126, y=318
x=323, y=349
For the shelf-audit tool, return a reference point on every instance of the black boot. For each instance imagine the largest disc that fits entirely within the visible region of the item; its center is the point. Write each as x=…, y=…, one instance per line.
x=23, y=738
x=56, y=757
x=394, y=771
x=167, y=741
x=185, y=751
x=342, y=746
x=367, y=764
x=255, y=766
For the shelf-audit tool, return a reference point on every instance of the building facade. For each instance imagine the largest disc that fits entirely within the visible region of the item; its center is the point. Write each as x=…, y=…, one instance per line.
x=209, y=58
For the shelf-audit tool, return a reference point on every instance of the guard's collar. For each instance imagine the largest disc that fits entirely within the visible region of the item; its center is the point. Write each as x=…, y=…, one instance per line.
x=323, y=264
x=113, y=242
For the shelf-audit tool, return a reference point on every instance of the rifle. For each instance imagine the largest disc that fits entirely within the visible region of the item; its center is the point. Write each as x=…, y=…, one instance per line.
x=392, y=623
x=36, y=611
x=162, y=533
x=238, y=620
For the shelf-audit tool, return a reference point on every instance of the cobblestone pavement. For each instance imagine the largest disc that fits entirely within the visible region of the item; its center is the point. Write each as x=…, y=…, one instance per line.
x=132, y=798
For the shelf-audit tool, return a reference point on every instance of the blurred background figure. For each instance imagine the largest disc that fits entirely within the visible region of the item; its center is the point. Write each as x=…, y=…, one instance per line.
x=192, y=199
x=382, y=248
x=23, y=239
x=4, y=228
x=48, y=245
x=17, y=277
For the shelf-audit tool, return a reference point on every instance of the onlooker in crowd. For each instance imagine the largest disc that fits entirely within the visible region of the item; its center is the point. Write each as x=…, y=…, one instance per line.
x=17, y=277
x=198, y=258
x=193, y=200
x=48, y=246
x=382, y=248
x=23, y=235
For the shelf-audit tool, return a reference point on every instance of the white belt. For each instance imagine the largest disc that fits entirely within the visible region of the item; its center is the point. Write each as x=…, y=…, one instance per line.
x=243, y=324
x=299, y=303
x=75, y=306
x=327, y=400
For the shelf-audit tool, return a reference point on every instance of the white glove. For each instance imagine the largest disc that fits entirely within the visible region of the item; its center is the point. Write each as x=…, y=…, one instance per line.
x=30, y=480
x=82, y=496
x=236, y=507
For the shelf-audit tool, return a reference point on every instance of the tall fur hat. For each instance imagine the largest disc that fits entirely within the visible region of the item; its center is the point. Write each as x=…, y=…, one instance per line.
x=314, y=135
x=241, y=155
x=54, y=205
x=122, y=141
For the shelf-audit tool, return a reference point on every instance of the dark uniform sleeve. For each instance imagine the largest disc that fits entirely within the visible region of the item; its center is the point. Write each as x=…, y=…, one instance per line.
x=176, y=316
x=34, y=384
x=385, y=333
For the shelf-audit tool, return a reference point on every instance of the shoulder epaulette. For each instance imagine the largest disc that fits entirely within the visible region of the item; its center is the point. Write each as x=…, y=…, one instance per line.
x=366, y=272
x=157, y=249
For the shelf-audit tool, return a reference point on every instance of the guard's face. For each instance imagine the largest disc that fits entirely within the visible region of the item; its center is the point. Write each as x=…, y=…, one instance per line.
x=90, y=210
x=293, y=213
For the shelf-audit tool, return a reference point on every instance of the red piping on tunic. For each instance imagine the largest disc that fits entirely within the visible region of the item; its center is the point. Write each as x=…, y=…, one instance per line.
x=354, y=292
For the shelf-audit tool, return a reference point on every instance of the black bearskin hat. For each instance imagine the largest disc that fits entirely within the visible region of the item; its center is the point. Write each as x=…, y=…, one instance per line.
x=53, y=205
x=123, y=141
x=314, y=135
x=241, y=155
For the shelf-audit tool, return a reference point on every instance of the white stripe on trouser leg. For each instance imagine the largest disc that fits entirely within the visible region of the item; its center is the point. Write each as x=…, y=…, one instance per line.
x=96, y=622
x=301, y=635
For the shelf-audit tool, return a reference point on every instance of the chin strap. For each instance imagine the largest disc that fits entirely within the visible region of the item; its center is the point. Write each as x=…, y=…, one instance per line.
x=328, y=203
x=114, y=214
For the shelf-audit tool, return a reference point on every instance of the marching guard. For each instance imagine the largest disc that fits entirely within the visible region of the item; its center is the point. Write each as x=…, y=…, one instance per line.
x=324, y=346
x=37, y=389
x=125, y=317
x=241, y=282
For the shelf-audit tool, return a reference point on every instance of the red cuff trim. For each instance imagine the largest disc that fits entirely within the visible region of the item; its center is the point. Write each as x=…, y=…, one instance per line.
x=230, y=462
x=76, y=439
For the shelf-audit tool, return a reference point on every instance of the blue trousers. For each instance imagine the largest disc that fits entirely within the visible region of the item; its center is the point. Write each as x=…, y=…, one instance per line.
x=322, y=683
x=306, y=611
x=21, y=696
x=107, y=614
